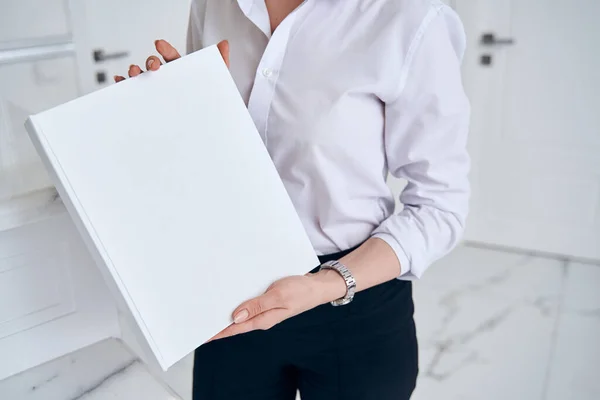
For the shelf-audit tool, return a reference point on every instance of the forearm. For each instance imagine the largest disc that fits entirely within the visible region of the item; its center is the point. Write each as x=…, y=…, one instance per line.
x=372, y=264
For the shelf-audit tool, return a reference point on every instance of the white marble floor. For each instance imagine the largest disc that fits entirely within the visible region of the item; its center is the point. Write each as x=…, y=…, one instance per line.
x=104, y=371
x=492, y=325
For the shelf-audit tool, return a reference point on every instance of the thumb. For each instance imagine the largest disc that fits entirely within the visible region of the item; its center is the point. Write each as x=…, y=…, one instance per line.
x=254, y=307
x=166, y=50
x=223, y=47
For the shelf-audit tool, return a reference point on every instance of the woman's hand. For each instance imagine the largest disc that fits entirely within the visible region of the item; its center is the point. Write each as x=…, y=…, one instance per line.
x=284, y=299
x=373, y=263
x=168, y=53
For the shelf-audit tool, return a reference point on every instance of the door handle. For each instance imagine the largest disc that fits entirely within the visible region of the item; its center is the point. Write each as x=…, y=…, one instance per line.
x=490, y=39
x=100, y=55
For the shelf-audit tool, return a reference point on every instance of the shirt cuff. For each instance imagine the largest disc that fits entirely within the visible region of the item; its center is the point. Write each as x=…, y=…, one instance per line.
x=406, y=273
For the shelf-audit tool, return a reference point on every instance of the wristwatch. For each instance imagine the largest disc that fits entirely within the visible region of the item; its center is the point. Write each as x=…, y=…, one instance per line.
x=348, y=278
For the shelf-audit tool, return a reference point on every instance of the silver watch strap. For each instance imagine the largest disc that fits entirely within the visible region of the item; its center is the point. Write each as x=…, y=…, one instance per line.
x=348, y=278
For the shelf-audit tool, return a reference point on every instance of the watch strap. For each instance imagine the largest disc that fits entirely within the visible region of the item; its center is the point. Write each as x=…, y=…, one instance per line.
x=348, y=278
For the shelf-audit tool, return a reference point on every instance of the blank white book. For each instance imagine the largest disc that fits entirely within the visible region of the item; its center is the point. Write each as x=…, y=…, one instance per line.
x=176, y=197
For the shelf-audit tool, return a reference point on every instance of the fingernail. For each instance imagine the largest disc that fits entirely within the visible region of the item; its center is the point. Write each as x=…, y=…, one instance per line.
x=150, y=62
x=240, y=317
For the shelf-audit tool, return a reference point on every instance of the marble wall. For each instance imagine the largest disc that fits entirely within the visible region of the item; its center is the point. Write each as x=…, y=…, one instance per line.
x=492, y=325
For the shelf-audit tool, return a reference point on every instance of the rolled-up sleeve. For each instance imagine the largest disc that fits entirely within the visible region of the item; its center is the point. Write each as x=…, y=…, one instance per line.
x=425, y=143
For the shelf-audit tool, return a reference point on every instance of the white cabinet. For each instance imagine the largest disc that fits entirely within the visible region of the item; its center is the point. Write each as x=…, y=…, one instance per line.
x=26, y=193
x=37, y=71
x=40, y=84
x=53, y=298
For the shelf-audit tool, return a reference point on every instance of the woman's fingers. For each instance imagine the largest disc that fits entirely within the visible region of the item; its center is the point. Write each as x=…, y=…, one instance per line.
x=153, y=63
x=270, y=300
x=223, y=47
x=263, y=321
x=168, y=52
x=134, y=71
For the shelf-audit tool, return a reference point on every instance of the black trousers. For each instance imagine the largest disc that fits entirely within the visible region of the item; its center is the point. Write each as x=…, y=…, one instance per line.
x=366, y=350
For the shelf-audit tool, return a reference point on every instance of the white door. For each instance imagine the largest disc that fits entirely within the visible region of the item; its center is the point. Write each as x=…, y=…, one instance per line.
x=535, y=137
x=110, y=35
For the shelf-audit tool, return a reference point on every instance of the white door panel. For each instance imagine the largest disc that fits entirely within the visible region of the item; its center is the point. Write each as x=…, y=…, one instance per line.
x=125, y=32
x=535, y=135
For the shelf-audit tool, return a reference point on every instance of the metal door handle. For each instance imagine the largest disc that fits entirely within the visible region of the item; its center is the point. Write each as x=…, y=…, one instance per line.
x=490, y=39
x=100, y=55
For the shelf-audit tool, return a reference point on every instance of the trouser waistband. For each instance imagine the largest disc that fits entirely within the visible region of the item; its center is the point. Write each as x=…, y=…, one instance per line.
x=334, y=256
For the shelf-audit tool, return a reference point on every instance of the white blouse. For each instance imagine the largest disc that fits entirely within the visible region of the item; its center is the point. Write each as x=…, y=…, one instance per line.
x=345, y=91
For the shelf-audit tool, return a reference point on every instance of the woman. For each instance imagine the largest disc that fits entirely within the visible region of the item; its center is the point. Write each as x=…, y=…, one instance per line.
x=341, y=92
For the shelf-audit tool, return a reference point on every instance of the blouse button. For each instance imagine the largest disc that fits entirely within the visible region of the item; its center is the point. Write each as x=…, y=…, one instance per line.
x=267, y=72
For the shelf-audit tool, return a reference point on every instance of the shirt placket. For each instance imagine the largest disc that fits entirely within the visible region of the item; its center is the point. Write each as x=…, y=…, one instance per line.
x=269, y=68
